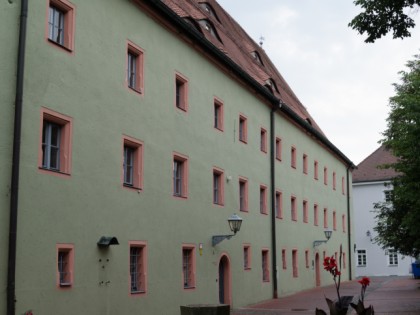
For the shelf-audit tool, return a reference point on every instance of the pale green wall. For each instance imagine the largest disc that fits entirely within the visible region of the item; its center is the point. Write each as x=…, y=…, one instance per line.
x=89, y=87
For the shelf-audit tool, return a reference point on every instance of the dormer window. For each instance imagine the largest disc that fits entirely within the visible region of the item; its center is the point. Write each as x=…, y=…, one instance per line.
x=207, y=25
x=206, y=7
x=256, y=56
x=271, y=86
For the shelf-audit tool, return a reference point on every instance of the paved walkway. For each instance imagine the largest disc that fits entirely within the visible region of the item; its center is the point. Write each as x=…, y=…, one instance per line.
x=388, y=295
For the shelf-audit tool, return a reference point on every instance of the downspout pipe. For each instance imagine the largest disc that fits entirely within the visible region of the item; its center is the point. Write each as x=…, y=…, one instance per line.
x=273, y=198
x=14, y=189
x=348, y=223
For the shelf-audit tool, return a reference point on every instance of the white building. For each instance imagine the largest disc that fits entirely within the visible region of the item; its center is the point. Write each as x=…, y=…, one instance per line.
x=369, y=187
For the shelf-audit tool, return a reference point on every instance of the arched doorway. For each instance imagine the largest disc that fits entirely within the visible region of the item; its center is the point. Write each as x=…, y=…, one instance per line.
x=317, y=271
x=224, y=280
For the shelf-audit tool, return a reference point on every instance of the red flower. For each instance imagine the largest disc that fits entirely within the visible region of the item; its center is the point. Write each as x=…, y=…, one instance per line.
x=330, y=265
x=365, y=281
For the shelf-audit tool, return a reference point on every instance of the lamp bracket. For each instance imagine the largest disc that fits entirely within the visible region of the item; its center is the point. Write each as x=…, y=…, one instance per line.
x=216, y=239
x=319, y=242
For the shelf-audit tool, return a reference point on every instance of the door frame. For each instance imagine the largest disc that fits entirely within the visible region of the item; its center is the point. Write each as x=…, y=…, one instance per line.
x=227, y=279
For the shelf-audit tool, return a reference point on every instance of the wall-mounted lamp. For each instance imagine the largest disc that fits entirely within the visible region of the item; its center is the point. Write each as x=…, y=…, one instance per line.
x=235, y=223
x=105, y=241
x=369, y=234
x=327, y=233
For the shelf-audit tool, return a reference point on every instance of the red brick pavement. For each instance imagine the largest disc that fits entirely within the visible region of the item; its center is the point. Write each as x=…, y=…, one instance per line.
x=388, y=295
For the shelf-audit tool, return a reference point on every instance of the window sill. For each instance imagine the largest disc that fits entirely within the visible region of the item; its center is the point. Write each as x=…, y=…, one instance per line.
x=137, y=292
x=184, y=109
x=44, y=169
x=131, y=187
x=179, y=196
x=137, y=90
x=189, y=288
x=59, y=45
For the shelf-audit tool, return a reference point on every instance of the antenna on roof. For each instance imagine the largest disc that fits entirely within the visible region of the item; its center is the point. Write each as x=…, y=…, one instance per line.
x=262, y=39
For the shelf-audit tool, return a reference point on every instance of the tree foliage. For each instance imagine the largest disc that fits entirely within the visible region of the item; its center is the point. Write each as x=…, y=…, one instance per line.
x=382, y=16
x=398, y=221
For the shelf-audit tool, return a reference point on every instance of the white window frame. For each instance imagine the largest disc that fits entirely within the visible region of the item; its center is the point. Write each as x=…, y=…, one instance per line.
x=361, y=253
x=392, y=258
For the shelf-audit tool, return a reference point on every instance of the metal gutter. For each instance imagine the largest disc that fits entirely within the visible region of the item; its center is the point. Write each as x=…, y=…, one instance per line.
x=11, y=269
x=350, y=253
x=273, y=200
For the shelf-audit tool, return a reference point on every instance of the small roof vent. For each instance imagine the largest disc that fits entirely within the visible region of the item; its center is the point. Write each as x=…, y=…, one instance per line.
x=208, y=26
x=256, y=56
x=209, y=10
x=271, y=86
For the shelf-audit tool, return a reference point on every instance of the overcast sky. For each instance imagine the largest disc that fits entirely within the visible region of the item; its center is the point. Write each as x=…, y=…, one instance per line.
x=344, y=83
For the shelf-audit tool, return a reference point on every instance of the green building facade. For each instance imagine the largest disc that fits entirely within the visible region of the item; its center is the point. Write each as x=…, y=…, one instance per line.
x=137, y=127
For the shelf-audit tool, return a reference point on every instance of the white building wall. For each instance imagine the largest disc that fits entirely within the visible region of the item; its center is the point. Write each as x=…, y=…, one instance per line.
x=377, y=260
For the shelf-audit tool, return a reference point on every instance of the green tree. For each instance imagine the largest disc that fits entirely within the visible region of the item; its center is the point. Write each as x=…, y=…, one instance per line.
x=398, y=221
x=382, y=16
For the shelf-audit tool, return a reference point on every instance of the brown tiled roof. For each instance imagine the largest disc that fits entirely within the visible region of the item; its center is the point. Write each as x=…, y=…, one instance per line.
x=236, y=44
x=368, y=171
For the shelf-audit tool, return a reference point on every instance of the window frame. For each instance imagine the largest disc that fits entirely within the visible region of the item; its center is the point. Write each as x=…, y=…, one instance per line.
x=392, y=259
x=137, y=167
x=293, y=154
x=247, y=256
x=221, y=189
x=183, y=161
x=279, y=204
x=265, y=264
x=69, y=13
x=218, y=121
x=343, y=222
x=305, y=210
x=295, y=263
x=65, y=149
x=305, y=164
x=278, y=148
x=263, y=199
x=181, y=92
x=316, y=170
x=325, y=218
x=143, y=268
x=284, y=259
x=191, y=280
x=361, y=257
x=243, y=199
x=316, y=214
x=69, y=249
x=293, y=208
x=138, y=54
x=325, y=176
x=243, y=129
x=263, y=140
